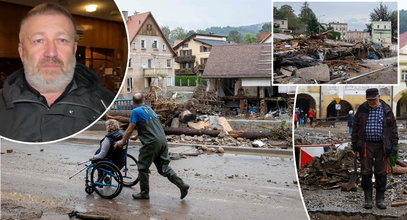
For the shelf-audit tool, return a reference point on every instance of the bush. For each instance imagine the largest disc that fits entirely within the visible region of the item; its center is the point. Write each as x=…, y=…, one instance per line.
x=185, y=80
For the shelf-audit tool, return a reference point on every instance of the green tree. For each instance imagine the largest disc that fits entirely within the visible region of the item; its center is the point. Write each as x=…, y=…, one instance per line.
x=178, y=33
x=306, y=13
x=380, y=13
x=287, y=12
x=200, y=31
x=166, y=31
x=234, y=36
x=403, y=21
x=312, y=25
x=249, y=38
x=265, y=28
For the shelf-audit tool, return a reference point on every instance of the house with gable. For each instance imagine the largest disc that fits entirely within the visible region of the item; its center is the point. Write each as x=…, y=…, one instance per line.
x=193, y=52
x=241, y=75
x=151, y=60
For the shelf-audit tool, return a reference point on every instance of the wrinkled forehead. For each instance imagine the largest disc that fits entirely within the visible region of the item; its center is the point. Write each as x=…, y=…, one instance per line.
x=51, y=16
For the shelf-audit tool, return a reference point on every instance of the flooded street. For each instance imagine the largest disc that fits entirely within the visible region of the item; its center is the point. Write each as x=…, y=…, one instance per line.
x=35, y=185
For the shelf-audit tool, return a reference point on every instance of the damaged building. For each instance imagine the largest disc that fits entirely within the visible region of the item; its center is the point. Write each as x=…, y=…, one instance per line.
x=241, y=75
x=316, y=59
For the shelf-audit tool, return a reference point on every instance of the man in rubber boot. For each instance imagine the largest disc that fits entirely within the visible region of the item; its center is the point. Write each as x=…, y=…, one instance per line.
x=152, y=136
x=374, y=137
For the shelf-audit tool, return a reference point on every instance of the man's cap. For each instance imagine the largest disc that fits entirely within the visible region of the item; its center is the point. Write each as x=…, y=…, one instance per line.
x=372, y=93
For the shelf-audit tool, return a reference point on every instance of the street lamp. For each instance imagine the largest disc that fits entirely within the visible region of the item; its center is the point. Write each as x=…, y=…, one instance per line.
x=319, y=24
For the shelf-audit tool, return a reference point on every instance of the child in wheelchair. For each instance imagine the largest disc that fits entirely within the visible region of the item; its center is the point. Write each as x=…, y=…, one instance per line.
x=106, y=150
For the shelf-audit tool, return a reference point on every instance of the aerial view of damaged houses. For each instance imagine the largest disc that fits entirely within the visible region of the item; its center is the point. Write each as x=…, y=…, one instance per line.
x=313, y=48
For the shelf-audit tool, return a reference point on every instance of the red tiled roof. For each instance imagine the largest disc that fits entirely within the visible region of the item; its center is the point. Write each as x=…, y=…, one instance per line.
x=403, y=39
x=135, y=22
x=263, y=36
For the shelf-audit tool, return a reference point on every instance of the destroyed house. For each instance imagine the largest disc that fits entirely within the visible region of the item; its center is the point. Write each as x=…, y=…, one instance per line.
x=241, y=75
x=193, y=52
x=403, y=56
x=151, y=56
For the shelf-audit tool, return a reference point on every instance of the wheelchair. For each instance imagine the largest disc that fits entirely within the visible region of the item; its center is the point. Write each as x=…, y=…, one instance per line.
x=106, y=179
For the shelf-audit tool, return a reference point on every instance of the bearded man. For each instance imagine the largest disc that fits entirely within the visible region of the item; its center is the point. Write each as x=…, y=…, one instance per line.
x=52, y=97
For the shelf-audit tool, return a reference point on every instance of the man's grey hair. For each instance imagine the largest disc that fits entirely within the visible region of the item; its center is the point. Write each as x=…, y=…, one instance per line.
x=49, y=8
x=112, y=125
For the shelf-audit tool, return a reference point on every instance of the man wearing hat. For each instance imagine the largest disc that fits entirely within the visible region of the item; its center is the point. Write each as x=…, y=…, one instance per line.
x=374, y=137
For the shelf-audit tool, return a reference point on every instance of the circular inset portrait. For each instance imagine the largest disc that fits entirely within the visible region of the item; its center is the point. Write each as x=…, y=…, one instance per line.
x=61, y=65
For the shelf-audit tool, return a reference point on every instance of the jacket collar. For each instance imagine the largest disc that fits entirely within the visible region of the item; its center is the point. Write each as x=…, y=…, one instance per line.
x=16, y=86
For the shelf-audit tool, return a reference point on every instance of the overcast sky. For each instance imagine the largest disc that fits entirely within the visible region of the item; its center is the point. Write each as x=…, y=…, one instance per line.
x=201, y=14
x=356, y=14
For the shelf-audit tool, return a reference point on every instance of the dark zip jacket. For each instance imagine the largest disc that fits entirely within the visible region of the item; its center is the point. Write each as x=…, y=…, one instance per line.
x=25, y=115
x=116, y=155
x=390, y=134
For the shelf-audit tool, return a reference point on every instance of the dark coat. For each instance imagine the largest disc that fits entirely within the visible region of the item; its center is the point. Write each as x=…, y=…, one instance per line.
x=116, y=155
x=25, y=116
x=390, y=134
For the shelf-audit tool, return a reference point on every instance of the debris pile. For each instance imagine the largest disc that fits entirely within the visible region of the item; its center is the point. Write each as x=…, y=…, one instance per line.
x=315, y=59
x=329, y=170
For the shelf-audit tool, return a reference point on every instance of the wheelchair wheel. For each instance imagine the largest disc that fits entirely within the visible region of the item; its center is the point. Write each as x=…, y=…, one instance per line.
x=130, y=172
x=89, y=189
x=106, y=180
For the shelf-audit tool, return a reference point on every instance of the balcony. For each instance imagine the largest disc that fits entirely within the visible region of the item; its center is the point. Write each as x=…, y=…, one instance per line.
x=156, y=72
x=182, y=59
x=185, y=71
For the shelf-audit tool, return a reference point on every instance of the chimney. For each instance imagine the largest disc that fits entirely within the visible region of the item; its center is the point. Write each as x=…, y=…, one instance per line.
x=125, y=15
x=136, y=12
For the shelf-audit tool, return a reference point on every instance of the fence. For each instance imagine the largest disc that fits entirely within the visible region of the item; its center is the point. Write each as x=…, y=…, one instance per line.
x=123, y=104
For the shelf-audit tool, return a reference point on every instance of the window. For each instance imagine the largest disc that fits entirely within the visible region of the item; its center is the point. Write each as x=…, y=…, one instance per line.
x=185, y=52
x=169, y=81
x=404, y=75
x=185, y=45
x=133, y=45
x=164, y=47
x=168, y=62
x=384, y=26
x=155, y=44
x=143, y=44
x=150, y=61
x=129, y=84
x=378, y=26
x=186, y=65
x=130, y=62
x=149, y=27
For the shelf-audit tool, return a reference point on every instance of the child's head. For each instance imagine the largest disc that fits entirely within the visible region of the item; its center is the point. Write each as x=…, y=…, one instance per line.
x=112, y=125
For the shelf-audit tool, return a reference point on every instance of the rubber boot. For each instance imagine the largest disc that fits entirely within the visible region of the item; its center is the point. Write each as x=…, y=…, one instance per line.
x=368, y=198
x=183, y=187
x=380, y=199
x=144, y=187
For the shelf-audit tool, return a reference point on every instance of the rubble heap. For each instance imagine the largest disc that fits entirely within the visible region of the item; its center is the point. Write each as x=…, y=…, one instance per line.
x=329, y=170
x=315, y=59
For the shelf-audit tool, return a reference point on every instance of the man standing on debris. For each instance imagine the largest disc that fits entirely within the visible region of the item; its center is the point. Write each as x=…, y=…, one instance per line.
x=152, y=136
x=374, y=137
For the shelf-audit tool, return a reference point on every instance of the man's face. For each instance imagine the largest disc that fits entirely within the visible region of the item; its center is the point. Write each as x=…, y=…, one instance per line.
x=373, y=102
x=47, y=49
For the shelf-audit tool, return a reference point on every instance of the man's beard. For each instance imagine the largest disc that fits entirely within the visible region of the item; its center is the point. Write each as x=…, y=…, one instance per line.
x=62, y=76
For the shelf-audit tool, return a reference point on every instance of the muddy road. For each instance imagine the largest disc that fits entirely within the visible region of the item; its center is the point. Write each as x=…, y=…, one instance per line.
x=35, y=185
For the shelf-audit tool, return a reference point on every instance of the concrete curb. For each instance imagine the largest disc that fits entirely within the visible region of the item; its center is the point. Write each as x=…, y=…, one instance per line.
x=228, y=149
